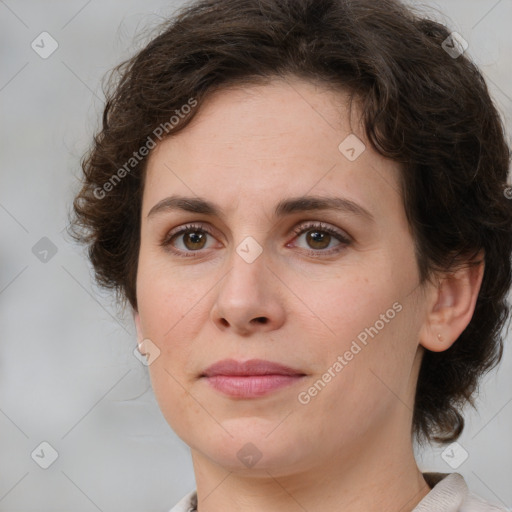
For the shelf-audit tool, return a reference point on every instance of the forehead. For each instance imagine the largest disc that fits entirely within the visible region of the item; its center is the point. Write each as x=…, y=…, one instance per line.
x=255, y=143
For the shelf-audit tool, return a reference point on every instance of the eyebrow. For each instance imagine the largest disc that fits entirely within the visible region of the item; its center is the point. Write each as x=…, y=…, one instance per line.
x=283, y=208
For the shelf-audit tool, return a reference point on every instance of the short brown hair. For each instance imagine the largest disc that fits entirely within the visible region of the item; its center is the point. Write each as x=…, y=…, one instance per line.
x=422, y=107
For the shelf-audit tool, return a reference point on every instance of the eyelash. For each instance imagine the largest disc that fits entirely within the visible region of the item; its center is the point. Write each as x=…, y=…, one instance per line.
x=299, y=230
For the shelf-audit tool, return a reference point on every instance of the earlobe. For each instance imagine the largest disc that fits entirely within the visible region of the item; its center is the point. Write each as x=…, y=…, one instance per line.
x=138, y=327
x=452, y=307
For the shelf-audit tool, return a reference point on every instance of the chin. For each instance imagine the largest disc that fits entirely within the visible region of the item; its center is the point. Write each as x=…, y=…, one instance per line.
x=252, y=449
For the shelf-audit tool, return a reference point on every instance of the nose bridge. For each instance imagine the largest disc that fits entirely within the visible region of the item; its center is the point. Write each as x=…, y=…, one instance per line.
x=247, y=266
x=246, y=297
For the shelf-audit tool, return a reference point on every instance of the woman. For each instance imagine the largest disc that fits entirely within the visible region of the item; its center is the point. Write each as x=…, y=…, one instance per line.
x=304, y=203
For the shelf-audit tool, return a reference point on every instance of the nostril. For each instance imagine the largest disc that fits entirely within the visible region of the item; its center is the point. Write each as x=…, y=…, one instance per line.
x=261, y=320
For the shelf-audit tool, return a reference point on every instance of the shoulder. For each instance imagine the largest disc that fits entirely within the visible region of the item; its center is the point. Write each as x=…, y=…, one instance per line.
x=187, y=504
x=450, y=493
x=474, y=503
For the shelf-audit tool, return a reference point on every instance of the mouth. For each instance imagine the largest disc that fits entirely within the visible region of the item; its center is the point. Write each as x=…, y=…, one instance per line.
x=250, y=379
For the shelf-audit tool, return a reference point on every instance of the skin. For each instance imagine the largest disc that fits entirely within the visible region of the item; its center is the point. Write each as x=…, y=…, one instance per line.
x=350, y=447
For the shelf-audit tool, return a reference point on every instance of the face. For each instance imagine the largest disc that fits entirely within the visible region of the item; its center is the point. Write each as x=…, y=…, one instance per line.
x=315, y=304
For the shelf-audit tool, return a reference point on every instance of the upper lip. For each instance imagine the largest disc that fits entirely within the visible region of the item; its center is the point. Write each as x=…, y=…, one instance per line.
x=251, y=367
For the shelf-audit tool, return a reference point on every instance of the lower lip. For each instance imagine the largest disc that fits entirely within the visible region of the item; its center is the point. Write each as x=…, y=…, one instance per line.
x=251, y=386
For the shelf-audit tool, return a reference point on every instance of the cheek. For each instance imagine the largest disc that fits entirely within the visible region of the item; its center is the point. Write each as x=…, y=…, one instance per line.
x=364, y=378
x=178, y=408
x=368, y=322
x=345, y=303
x=166, y=298
x=169, y=319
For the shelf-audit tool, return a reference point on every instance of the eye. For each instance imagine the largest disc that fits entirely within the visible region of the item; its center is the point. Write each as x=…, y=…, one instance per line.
x=192, y=236
x=319, y=236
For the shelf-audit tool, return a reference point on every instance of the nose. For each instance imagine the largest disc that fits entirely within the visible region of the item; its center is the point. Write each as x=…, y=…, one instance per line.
x=250, y=298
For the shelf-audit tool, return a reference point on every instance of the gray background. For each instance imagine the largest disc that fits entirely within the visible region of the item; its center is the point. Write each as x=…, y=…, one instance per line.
x=67, y=372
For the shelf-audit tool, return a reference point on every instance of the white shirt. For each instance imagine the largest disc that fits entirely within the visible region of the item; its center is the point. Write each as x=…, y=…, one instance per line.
x=449, y=493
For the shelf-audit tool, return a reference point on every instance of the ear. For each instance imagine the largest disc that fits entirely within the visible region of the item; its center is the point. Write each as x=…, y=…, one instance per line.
x=452, y=305
x=136, y=319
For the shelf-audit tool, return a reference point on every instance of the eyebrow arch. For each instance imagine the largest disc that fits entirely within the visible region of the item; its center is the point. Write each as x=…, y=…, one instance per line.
x=283, y=208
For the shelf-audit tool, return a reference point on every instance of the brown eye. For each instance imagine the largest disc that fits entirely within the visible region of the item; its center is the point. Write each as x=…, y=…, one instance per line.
x=319, y=236
x=318, y=240
x=194, y=240
x=190, y=240
x=186, y=241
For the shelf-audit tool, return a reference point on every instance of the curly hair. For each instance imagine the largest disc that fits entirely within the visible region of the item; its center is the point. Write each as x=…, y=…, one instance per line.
x=422, y=105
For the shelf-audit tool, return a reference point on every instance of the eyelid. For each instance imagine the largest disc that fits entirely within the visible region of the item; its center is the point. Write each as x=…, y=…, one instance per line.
x=322, y=226
x=183, y=228
x=343, y=237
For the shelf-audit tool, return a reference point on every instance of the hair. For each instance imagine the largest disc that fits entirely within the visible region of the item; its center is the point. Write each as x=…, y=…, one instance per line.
x=427, y=110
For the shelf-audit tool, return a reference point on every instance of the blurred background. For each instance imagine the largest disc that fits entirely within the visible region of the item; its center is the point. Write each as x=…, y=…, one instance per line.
x=79, y=426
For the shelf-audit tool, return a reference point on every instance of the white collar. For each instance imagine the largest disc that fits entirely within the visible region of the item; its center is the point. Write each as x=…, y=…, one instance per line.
x=449, y=493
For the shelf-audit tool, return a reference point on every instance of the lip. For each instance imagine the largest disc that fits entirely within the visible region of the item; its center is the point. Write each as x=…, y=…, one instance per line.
x=250, y=379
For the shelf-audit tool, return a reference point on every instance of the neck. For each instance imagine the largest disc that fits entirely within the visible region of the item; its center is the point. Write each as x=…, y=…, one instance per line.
x=378, y=474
